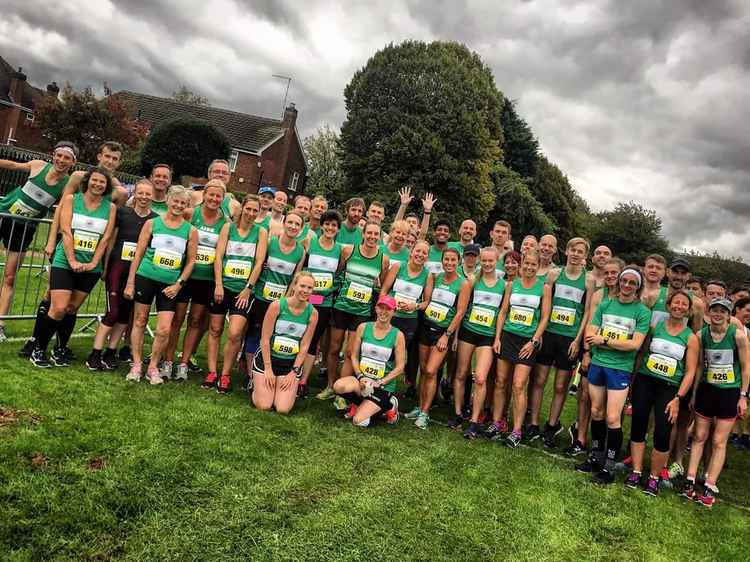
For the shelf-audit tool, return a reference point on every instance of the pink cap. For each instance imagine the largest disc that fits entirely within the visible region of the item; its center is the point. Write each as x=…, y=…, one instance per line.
x=388, y=301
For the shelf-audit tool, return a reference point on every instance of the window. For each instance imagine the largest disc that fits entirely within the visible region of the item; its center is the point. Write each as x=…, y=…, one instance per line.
x=233, y=156
x=294, y=182
x=30, y=117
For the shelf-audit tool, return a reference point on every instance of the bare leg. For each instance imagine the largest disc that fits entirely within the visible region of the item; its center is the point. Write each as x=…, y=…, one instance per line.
x=194, y=333
x=174, y=334
x=539, y=378
x=161, y=337
x=520, y=380
x=562, y=380
x=13, y=261
x=463, y=364
x=140, y=319
x=337, y=341
x=722, y=428
x=484, y=362
x=237, y=324
x=215, y=329
x=429, y=382
x=501, y=395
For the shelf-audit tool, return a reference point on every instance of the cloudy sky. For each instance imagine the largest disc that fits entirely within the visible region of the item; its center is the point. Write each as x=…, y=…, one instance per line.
x=643, y=100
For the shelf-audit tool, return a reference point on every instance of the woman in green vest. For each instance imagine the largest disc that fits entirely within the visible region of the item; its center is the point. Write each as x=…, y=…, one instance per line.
x=240, y=254
x=364, y=268
x=475, y=339
x=720, y=396
x=288, y=327
x=208, y=219
x=33, y=199
x=668, y=360
x=522, y=321
x=164, y=259
x=378, y=359
x=87, y=220
x=442, y=317
x=395, y=248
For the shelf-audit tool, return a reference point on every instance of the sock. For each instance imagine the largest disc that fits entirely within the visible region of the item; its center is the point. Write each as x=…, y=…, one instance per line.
x=614, y=442
x=598, y=435
x=96, y=353
x=47, y=328
x=41, y=313
x=65, y=330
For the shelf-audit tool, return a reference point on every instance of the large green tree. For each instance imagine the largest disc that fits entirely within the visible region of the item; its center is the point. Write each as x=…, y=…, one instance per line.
x=551, y=188
x=631, y=231
x=520, y=147
x=425, y=114
x=325, y=173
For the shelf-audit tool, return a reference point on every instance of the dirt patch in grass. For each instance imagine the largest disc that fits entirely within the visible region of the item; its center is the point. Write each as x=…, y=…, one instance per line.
x=97, y=463
x=10, y=417
x=38, y=460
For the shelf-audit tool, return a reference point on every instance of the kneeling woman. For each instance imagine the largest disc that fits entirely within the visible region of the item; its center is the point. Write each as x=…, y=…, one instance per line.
x=87, y=220
x=379, y=357
x=288, y=327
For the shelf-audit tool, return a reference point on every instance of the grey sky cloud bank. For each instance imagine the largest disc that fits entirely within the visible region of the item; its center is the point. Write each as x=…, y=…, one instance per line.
x=637, y=100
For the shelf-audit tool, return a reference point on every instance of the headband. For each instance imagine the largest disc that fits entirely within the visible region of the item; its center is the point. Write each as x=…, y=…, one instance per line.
x=66, y=149
x=634, y=272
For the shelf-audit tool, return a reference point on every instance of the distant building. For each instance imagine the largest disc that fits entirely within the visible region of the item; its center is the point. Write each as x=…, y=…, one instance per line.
x=264, y=151
x=18, y=100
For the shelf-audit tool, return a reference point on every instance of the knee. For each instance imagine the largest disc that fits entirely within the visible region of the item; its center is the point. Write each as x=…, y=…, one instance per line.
x=361, y=420
x=284, y=410
x=71, y=309
x=195, y=321
x=9, y=276
x=480, y=381
x=718, y=443
x=519, y=386
x=613, y=421
x=339, y=387
x=215, y=331
x=597, y=412
x=140, y=320
x=262, y=404
x=56, y=311
x=162, y=331
x=234, y=336
x=561, y=386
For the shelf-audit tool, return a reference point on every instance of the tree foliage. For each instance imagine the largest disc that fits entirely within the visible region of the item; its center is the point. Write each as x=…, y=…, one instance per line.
x=631, y=231
x=551, y=188
x=187, y=144
x=520, y=147
x=426, y=115
x=325, y=173
x=88, y=121
x=732, y=270
x=184, y=95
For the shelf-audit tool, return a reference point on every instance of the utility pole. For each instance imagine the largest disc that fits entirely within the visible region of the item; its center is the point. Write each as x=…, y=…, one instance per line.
x=288, y=82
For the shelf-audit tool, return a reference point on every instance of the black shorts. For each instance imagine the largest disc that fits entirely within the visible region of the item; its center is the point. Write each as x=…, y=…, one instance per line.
x=324, y=319
x=68, y=280
x=16, y=235
x=258, y=309
x=477, y=340
x=346, y=320
x=510, y=347
x=228, y=305
x=280, y=367
x=381, y=398
x=430, y=333
x=408, y=327
x=554, y=352
x=715, y=402
x=197, y=291
x=145, y=291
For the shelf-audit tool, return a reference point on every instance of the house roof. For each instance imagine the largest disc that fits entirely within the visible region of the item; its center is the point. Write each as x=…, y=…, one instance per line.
x=30, y=93
x=245, y=132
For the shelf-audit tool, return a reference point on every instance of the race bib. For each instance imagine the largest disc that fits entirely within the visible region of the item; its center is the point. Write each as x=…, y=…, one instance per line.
x=167, y=260
x=563, y=315
x=323, y=281
x=616, y=333
x=359, y=293
x=85, y=241
x=372, y=368
x=436, y=312
x=206, y=255
x=273, y=291
x=237, y=269
x=128, y=251
x=285, y=346
x=21, y=209
x=662, y=365
x=521, y=315
x=720, y=374
x=482, y=316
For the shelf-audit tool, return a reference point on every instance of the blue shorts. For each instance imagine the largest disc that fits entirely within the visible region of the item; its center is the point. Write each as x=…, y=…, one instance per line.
x=613, y=379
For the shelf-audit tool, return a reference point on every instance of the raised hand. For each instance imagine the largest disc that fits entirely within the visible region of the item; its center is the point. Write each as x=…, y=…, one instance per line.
x=405, y=194
x=428, y=201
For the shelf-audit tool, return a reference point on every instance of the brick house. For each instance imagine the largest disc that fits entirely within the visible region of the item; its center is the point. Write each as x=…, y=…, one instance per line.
x=264, y=151
x=18, y=99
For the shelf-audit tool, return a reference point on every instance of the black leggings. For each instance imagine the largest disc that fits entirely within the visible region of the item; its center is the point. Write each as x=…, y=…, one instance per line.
x=650, y=393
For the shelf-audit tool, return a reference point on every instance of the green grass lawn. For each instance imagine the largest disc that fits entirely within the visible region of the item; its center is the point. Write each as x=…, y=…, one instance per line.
x=96, y=468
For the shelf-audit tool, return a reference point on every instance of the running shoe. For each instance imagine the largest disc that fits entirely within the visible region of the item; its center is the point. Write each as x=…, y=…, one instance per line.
x=193, y=366
x=575, y=450
x=591, y=464
x=94, y=361
x=744, y=443
x=339, y=403
x=210, y=381
x=59, y=358
x=573, y=389
x=513, y=439
x=492, y=431
x=351, y=412
x=392, y=415
x=225, y=385
x=532, y=433
x=3, y=337
x=688, y=490
x=734, y=438
x=633, y=480
x=422, y=421
x=628, y=462
x=502, y=425
x=68, y=354
x=134, y=375
x=707, y=498
x=125, y=355
x=652, y=487
x=28, y=348
x=471, y=431
x=154, y=377
x=550, y=432
x=413, y=414
x=39, y=358
x=664, y=474
x=326, y=394
x=456, y=423
x=181, y=374
x=302, y=390
x=109, y=360
x=165, y=369
x=676, y=470
x=604, y=477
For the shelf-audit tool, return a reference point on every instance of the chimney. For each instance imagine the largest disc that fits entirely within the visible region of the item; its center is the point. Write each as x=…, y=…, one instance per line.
x=290, y=117
x=17, y=82
x=53, y=89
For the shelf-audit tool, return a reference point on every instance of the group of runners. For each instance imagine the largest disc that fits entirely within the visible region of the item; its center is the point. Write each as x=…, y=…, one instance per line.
x=300, y=285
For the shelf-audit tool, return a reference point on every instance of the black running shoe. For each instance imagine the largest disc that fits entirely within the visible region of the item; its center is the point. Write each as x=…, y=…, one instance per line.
x=39, y=359
x=125, y=355
x=604, y=476
x=532, y=433
x=68, y=354
x=455, y=423
x=492, y=431
x=302, y=391
x=550, y=432
x=27, y=348
x=513, y=439
x=573, y=432
x=193, y=366
x=590, y=465
x=94, y=361
x=472, y=431
x=59, y=358
x=576, y=449
x=109, y=359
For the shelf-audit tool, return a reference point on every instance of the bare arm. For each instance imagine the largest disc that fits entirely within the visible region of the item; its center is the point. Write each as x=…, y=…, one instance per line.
x=221, y=249
x=101, y=248
x=21, y=166
x=269, y=321
x=260, y=256
x=390, y=279
x=306, y=339
x=192, y=251
x=140, y=250
x=356, y=344
x=427, y=293
x=71, y=187
x=427, y=204
x=544, y=315
x=400, y=362
x=66, y=218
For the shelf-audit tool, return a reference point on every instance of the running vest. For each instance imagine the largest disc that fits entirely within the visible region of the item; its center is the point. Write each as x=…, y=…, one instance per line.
x=618, y=321
x=484, y=307
x=434, y=262
x=348, y=235
x=265, y=222
x=666, y=354
x=159, y=207
x=500, y=267
x=129, y=225
x=721, y=360
x=208, y=237
x=303, y=234
x=226, y=207
x=323, y=264
x=239, y=257
x=34, y=198
x=659, y=310
x=408, y=288
x=360, y=277
x=277, y=274
x=376, y=355
x=88, y=228
x=288, y=331
x=442, y=307
x=525, y=308
x=567, y=305
x=165, y=254
x=402, y=256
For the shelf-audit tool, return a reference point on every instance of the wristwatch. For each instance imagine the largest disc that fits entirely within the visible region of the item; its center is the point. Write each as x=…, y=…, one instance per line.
x=606, y=341
x=535, y=343
x=180, y=281
x=249, y=285
x=745, y=394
